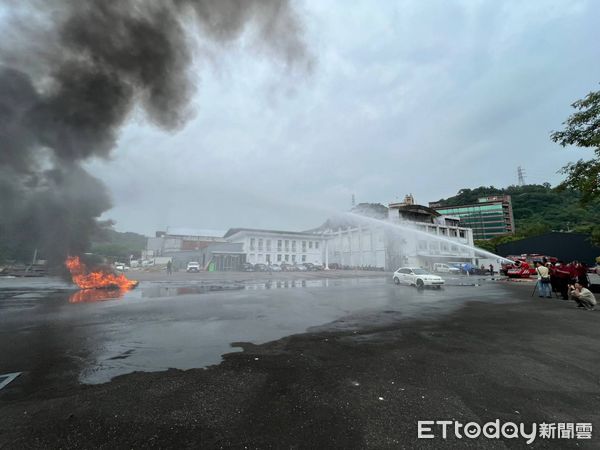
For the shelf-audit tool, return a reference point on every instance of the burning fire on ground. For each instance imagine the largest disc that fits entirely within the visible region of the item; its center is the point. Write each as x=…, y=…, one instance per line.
x=96, y=285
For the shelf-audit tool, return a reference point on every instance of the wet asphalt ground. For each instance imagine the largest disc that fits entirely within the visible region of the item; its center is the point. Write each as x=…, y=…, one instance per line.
x=316, y=360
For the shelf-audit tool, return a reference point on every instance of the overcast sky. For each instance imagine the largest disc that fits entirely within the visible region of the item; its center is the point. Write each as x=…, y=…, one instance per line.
x=421, y=97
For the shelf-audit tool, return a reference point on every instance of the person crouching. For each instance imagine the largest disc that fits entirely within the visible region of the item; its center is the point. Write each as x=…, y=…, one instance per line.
x=582, y=296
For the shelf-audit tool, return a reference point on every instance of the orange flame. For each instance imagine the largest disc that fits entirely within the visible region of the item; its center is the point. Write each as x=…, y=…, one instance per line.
x=96, y=280
x=95, y=295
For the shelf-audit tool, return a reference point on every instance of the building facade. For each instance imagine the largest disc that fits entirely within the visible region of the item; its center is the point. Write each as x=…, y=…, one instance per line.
x=412, y=235
x=180, y=240
x=488, y=218
x=276, y=247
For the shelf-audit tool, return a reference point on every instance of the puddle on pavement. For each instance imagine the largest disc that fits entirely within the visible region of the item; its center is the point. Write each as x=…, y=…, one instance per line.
x=165, y=290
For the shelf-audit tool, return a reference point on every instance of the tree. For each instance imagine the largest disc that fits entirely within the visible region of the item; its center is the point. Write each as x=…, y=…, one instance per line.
x=582, y=129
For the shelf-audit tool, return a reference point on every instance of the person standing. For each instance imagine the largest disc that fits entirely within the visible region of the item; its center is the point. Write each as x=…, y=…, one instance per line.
x=582, y=276
x=543, y=282
x=491, y=269
x=169, y=268
x=563, y=276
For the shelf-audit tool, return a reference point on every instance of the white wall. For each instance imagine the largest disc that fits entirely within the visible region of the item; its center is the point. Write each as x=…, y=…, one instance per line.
x=312, y=253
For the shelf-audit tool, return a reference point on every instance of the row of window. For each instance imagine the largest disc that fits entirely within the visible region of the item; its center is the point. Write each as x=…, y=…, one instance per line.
x=452, y=232
x=285, y=242
x=280, y=258
x=469, y=209
x=444, y=246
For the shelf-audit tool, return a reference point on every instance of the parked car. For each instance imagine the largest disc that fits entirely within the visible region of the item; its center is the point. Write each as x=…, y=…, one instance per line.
x=300, y=267
x=193, y=266
x=415, y=276
x=275, y=268
x=248, y=267
x=286, y=267
x=260, y=267
x=445, y=268
x=121, y=267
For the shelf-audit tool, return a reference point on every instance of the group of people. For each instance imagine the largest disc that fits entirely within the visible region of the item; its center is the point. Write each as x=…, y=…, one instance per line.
x=569, y=280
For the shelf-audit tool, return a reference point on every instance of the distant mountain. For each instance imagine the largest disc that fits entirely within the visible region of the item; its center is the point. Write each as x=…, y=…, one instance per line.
x=116, y=244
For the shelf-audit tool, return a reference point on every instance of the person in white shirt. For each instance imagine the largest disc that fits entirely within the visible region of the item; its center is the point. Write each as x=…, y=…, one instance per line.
x=583, y=296
x=543, y=283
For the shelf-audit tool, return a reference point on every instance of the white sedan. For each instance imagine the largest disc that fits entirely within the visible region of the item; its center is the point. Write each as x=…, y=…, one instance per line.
x=418, y=277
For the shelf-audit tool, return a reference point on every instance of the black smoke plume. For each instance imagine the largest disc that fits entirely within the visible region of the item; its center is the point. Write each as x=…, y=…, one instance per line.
x=73, y=71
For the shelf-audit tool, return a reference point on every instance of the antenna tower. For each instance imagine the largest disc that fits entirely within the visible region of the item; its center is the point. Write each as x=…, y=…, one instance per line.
x=521, y=176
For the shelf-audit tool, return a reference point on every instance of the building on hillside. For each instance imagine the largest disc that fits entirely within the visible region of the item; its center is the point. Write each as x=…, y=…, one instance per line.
x=276, y=247
x=490, y=217
x=566, y=247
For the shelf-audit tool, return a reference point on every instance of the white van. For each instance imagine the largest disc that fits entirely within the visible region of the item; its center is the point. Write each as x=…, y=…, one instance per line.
x=445, y=268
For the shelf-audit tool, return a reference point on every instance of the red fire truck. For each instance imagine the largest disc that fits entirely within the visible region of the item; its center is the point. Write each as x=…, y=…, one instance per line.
x=524, y=265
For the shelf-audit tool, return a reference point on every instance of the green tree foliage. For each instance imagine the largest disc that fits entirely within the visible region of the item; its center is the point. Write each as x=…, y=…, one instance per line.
x=116, y=245
x=582, y=129
x=537, y=209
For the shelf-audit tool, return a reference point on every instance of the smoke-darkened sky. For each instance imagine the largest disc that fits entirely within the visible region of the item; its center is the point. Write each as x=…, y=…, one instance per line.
x=411, y=96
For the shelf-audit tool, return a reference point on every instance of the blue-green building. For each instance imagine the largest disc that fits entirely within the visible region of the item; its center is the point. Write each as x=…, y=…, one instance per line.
x=489, y=217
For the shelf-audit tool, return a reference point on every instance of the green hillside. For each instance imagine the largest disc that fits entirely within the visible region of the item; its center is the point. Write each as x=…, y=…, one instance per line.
x=537, y=209
x=115, y=244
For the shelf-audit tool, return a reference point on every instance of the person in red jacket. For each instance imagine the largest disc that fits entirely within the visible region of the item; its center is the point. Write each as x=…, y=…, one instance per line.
x=581, y=274
x=563, y=276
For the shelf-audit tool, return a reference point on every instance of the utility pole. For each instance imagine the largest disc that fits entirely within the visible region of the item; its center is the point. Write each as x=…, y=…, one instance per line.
x=521, y=176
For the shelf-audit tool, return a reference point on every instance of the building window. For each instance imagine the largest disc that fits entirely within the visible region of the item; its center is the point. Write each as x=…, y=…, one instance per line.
x=279, y=245
x=287, y=257
x=303, y=258
x=309, y=244
x=453, y=233
x=279, y=257
x=268, y=259
x=444, y=231
x=293, y=246
x=294, y=258
x=317, y=244
x=287, y=245
x=303, y=246
x=268, y=245
x=252, y=240
x=462, y=233
x=260, y=245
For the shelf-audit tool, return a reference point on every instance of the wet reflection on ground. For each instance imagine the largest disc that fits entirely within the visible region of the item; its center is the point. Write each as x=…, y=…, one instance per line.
x=170, y=289
x=94, y=335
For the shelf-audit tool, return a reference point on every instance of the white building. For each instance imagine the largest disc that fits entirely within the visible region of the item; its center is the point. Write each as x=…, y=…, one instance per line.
x=275, y=247
x=413, y=235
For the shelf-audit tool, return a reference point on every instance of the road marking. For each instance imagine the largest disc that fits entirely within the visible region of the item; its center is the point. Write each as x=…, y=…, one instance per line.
x=7, y=378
